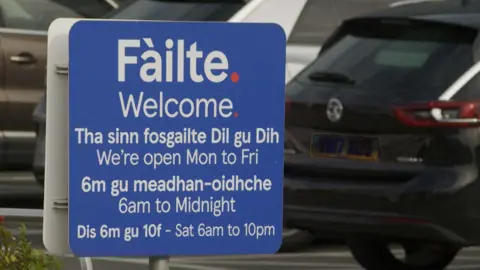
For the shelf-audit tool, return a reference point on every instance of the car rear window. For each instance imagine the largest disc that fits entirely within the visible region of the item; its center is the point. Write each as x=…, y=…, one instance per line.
x=179, y=10
x=408, y=59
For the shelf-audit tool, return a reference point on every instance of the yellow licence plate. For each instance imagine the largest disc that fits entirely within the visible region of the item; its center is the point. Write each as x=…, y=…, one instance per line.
x=345, y=146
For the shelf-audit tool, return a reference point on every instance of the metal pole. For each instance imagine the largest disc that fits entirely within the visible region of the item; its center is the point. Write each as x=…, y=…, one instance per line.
x=86, y=263
x=158, y=263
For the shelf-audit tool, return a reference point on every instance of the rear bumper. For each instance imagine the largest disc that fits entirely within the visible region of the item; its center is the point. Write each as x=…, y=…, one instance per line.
x=350, y=223
x=393, y=210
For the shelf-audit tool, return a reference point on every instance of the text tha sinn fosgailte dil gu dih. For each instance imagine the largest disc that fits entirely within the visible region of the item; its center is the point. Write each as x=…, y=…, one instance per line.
x=159, y=149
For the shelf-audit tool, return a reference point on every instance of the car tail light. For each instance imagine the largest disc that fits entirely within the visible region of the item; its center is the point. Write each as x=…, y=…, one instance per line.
x=440, y=114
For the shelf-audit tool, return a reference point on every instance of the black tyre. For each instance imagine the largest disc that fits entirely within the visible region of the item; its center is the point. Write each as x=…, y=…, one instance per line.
x=295, y=239
x=375, y=254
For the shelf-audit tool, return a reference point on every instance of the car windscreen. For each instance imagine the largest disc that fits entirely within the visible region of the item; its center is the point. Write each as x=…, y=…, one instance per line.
x=411, y=60
x=186, y=10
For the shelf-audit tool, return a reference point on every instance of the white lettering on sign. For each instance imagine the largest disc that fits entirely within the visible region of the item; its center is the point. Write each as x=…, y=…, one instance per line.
x=174, y=64
x=139, y=105
x=154, y=66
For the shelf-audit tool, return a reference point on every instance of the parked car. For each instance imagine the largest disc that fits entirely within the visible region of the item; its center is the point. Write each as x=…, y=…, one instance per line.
x=24, y=44
x=382, y=136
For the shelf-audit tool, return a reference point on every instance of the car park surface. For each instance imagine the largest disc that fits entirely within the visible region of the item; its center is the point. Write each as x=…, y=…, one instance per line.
x=322, y=258
x=331, y=256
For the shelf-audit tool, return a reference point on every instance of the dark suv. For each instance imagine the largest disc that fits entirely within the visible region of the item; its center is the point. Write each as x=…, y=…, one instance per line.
x=383, y=136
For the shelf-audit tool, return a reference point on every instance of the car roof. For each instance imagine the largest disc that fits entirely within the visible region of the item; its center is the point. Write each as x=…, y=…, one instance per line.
x=460, y=12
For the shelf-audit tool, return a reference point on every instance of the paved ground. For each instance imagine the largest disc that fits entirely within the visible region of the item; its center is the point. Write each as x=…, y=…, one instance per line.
x=318, y=257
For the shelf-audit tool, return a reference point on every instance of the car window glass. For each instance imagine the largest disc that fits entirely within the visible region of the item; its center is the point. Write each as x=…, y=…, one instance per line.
x=405, y=54
x=413, y=62
x=319, y=18
x=33, y=14
x=178, y=10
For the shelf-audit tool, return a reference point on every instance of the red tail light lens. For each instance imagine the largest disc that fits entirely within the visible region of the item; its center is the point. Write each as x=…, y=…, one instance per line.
x=440, y=114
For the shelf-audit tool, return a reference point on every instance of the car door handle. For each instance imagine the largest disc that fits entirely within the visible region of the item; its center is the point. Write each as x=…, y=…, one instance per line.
x=22, y=59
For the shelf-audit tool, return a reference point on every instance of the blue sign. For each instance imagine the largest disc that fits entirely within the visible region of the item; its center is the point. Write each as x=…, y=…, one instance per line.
x=176, y=138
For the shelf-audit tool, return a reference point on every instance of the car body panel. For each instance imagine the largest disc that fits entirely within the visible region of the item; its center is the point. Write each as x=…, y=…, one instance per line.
x=23, y=43
x=425, y=183
x=25, y=55
x=3, y=95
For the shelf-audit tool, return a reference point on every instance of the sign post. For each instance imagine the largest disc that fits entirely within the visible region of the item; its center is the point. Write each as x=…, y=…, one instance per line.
x=86, y=263
x=175, y=138
x=158, y=263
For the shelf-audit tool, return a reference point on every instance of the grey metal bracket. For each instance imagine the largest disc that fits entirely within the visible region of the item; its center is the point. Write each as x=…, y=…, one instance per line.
x=61, y=69
x=60, y=204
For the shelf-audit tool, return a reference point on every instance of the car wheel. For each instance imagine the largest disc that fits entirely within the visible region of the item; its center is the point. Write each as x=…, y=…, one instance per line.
x=375, y=254
x=295, y=239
